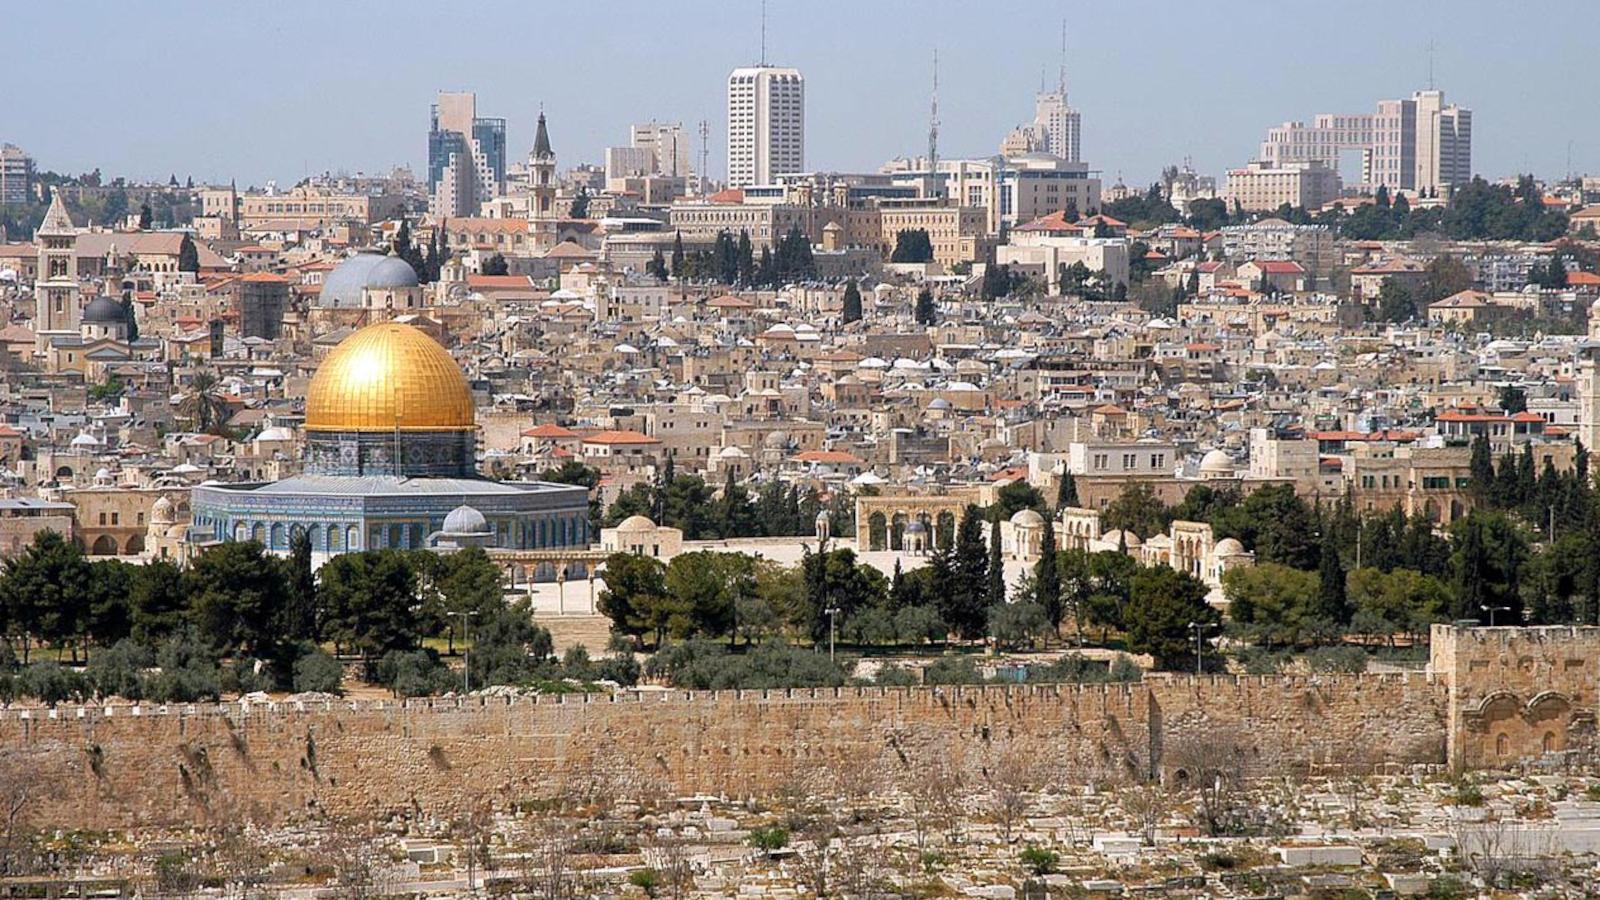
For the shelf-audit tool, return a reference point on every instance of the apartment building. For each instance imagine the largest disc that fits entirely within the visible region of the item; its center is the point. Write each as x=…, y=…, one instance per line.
x=1260, y=186
x=16, y=175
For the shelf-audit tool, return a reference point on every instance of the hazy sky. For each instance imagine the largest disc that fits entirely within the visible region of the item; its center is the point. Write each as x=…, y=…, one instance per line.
x=280, y=89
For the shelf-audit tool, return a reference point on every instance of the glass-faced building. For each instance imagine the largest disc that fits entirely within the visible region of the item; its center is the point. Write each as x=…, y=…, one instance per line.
x=391, y=443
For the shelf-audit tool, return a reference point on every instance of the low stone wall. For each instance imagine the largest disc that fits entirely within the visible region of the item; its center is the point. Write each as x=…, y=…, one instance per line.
x=109, y=767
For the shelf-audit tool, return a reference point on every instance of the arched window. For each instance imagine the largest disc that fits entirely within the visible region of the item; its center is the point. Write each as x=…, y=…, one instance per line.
x=280, y=537
x=416, y=535
x=1502, y=745
x=1549, y=744
x=352, y=538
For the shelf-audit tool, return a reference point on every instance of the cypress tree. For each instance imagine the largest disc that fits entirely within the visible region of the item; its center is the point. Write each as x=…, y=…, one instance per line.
x=852, y=302
x=927, y=313
x=188, y=256
x=130, y=319
x=677, y=255
x=300, y=613
x=745, y=264
x=1067, y=490
x=1332, y=603
x=968, y=610
x=1481, y=467
x=1047, y=576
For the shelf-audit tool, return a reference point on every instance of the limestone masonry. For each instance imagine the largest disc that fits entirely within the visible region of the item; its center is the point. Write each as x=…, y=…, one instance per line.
x=1492, y=697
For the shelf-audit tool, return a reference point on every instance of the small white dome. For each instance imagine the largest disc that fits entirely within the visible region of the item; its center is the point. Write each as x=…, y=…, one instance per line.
x=1116, y=538
x=465, y=520
x=162, y=512
x=636, y=523
x=1228, y=547
x=1216, y=462
x=1027, y=517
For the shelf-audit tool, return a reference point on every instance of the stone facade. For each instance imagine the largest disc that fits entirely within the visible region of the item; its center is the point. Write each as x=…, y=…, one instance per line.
x=1517, y=692
x=1495, y=697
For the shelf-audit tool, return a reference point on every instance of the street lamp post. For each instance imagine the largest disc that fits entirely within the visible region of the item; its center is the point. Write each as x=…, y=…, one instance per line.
x=465, y=616
x=1491, y=610
x=833, y=623
x=1198, y=628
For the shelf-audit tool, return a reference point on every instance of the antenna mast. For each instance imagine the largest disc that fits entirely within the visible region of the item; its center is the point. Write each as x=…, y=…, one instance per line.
x=933, y=127
x=1061, y=74
x=705, y=155
x=763, y=33
x=1431, y=48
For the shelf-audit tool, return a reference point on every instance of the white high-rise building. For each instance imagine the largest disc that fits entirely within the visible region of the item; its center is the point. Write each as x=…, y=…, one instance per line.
x=1058, y=126
x=766, y=124
x=1416, y=144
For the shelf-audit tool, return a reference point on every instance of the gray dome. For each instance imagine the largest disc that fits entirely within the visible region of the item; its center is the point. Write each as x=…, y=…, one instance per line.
x=343, y=286
x=465, y=520
x=103, y=311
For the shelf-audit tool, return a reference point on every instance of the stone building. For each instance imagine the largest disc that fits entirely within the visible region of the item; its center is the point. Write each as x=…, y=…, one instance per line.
x=391, y=451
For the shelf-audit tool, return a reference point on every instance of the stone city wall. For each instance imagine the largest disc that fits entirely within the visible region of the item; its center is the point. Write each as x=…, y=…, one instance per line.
x=1518, y=692
x=100, y=767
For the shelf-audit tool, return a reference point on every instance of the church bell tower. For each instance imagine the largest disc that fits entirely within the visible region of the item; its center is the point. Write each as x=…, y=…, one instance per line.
x=542, y=188
x=58, y=301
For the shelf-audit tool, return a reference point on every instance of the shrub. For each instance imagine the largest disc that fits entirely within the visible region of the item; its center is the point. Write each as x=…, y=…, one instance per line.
x=705, y=665
x=188, y=671
x=919, y=624
x=769, y=839
x=952, y=670
x=317, y=670
x=415, y=673
x=575, y=664
x=1468, y=794
x=1337, y=659
x=1124, y=669
x=247, y=676
x=118, y=670
x=873, y=625
x=621, y=668
x=645, y=879
x=1039, y=860
x=1258, y=661
x=890, y=675
x=48, y=682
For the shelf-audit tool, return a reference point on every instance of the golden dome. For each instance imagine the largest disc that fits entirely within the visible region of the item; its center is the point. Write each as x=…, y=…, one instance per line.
x=389, y=377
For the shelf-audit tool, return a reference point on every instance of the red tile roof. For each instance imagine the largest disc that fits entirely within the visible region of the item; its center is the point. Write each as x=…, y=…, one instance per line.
x=619, y=437
x=549, y=430
x=838, y=457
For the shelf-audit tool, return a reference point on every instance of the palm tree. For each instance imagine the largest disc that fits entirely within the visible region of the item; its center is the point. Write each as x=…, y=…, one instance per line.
x=203, y=405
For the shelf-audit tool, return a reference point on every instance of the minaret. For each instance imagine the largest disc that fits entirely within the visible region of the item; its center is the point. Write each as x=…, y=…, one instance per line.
x=58, y=302
x=542, y=187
